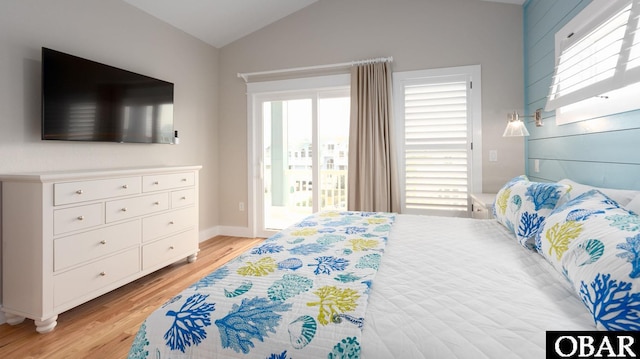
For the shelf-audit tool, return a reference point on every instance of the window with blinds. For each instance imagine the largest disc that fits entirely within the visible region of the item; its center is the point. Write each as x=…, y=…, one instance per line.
x=436, y=112
x=436, y=146
x=597, y=62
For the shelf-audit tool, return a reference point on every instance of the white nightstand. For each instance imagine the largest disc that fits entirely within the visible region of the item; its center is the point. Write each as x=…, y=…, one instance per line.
x=482, y=205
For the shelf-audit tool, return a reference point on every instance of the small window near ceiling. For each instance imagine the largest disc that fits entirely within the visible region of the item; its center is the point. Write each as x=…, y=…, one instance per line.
x=597, y=69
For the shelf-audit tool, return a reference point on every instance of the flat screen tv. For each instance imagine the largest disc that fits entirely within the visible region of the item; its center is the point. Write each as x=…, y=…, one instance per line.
x=83, y=100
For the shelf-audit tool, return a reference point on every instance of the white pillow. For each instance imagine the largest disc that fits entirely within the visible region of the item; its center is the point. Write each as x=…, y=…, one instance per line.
x=634, y=205
x=621, y=196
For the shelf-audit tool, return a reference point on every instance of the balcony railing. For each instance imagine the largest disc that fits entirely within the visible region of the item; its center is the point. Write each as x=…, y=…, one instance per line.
x=332, y=194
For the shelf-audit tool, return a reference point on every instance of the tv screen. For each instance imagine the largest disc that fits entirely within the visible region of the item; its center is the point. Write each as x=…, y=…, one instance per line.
x=83, y=100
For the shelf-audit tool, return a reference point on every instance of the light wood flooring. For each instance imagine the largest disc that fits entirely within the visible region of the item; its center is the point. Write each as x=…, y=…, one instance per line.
x=105, y=327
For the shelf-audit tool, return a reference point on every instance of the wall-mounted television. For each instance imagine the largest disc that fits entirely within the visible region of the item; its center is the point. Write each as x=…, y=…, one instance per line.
x=83, y=100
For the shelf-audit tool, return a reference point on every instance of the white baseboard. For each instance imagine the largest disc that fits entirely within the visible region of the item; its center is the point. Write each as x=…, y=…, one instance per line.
x=224, y=231
x=3, y=319
x=209, y=233
x=235, y=231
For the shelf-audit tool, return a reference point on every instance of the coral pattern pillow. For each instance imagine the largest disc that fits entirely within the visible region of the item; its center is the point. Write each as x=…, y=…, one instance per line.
x=622, y=196
x=522, y=206
x=596, y=244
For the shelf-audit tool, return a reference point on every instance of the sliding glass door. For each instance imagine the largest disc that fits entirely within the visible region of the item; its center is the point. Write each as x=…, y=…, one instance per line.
x=287, y=161
x=303, y=155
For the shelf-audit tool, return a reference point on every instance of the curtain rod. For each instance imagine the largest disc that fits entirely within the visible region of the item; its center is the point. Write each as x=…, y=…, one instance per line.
x=245, y=75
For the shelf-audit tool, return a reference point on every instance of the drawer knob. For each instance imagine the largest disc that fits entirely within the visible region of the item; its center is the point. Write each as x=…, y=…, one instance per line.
x=80, y=218
x=102, y=274
x=79, y=191
x=184, y=180
x=171, y=248
x=124, y=209
x=183, y=198
x=156, y=182
x=157, y=203
x=125, y=186
x=103, y=242
x=172, y=222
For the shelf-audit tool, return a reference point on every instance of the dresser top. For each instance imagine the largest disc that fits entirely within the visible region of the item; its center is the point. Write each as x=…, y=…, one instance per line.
x=55, y=176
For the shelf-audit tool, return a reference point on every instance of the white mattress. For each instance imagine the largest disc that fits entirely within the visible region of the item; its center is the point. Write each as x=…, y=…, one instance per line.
x=464, y=288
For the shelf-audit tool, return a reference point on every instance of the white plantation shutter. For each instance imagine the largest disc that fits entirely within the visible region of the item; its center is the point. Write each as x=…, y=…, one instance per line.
x=436, y=146
x=596, y=53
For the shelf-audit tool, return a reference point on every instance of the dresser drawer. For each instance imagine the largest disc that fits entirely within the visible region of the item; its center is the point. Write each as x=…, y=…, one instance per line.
x=92, y=277
x=137, y=206
x=169, y=249
x=81, y=191
x=79, y=248
x=185, y=197
x=75, y=218
x=167, y=223
x=167, y=181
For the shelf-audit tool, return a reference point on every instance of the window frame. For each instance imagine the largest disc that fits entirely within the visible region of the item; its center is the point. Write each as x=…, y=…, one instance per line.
x=472, y=74
x=604, y=97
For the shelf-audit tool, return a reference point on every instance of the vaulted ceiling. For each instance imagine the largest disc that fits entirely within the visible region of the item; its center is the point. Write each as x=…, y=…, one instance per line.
x=220, y=22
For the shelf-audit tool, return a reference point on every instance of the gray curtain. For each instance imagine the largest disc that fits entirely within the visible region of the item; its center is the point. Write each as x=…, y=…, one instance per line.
x=373, y=179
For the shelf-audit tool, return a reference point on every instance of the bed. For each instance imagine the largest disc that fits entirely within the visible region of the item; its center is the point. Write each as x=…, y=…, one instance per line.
x=382, y=285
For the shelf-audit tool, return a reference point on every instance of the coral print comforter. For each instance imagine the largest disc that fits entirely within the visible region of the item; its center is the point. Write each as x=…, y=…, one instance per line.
x=301, y=294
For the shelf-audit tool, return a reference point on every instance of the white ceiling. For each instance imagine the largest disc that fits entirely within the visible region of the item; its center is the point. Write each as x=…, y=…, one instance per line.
x=517, y=2
x=220, y=22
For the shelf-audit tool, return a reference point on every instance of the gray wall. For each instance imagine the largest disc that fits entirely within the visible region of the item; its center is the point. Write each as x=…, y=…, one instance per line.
x=118, y=34
x=597, y=151
x=418, y=34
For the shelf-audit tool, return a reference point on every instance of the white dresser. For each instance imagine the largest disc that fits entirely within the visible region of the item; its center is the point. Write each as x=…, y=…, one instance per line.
x=69, y=237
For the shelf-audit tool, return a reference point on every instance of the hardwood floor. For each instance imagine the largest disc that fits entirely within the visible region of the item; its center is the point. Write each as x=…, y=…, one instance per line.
x=105, y=327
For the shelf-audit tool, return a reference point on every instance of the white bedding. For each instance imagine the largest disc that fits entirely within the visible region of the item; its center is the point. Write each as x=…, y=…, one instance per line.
x=445, y=288
x=464, y=288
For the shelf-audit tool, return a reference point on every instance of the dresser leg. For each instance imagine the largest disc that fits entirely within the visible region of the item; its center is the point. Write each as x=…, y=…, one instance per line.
x=13, y=319
x=192, y=258
x=47, y=325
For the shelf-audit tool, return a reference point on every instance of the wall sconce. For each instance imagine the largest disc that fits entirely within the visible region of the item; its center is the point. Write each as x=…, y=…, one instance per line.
x=516, y=127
